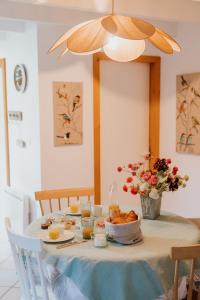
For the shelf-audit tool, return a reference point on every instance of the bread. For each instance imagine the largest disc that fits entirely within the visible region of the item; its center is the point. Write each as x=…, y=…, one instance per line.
x=122, y=217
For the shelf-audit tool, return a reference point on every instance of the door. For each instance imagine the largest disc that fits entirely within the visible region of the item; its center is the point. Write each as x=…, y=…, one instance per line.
x=124, y=119
x=4, y=147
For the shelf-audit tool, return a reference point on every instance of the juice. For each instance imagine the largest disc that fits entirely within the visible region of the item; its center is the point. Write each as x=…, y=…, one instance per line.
x=54, y=233
x=85, y=213
x=87, y=231
x=74, y=208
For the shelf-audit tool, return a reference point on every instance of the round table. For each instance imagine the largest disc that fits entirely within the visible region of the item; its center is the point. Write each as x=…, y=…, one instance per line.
x=142, y=271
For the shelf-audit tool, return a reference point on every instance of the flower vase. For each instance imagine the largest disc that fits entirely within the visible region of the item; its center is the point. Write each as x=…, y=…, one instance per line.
x=150, y=207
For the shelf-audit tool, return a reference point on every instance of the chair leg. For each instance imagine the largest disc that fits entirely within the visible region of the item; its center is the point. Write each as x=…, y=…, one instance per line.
x=176, y=275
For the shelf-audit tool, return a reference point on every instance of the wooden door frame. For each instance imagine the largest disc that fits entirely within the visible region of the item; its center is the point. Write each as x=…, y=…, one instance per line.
x=3, y=67
x=154, y=113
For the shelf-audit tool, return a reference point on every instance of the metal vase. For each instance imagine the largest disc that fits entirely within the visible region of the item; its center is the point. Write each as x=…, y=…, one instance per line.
x=150, y=207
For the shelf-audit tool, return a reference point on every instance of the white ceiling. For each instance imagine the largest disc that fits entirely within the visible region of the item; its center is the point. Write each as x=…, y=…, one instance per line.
x=171, y=10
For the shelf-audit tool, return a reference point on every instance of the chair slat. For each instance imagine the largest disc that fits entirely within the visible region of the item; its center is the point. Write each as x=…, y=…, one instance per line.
x=23, y=274
x=30, y=275
x=42, y=278
x=189, y=297
x=59, y=205
x=41, y=208
x=176, y=275
x=50, y=205
x=57, y=195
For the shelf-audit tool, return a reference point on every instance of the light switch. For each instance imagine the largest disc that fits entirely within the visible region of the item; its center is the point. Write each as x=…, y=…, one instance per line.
x=15, y=115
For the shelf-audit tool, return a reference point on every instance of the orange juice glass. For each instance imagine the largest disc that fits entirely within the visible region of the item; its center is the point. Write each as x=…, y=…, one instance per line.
x=74, y=206
x=87, y=227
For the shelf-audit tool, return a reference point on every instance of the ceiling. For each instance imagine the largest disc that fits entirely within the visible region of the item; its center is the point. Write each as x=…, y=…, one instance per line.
x=171, y=10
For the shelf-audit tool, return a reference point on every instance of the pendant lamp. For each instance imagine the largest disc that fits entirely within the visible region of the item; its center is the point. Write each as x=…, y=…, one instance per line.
x=121, y=38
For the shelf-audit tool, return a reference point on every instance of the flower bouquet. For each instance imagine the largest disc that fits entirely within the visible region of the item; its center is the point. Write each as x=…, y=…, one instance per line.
x=150, y=184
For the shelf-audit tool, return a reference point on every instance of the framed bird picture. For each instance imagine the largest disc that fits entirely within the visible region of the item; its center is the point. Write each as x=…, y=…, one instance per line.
x=67, y=97
x=188, y=113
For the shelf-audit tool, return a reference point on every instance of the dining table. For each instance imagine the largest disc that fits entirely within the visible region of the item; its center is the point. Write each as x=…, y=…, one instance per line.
x=141, y=271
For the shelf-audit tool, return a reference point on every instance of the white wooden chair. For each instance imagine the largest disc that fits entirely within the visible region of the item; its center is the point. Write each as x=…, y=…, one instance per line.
x=53, y=197
x=23, y=249
x=185, y=253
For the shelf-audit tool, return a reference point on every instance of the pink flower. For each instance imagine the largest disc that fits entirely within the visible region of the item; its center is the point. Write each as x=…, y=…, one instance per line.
x=153, y=180
x=146, y=176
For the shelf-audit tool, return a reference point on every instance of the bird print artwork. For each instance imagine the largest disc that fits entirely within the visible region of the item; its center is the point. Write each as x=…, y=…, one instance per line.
x=67, y=98
x=188, y=113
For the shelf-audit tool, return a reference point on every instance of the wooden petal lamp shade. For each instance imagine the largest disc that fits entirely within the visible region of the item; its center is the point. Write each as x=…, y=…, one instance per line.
x=90, y=37
x=122, y=38
x=164, y=42
x=127, y=27
x=65, y=36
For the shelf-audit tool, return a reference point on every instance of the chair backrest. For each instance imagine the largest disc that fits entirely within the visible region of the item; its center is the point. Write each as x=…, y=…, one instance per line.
x=50, y=196
x=184, y=253
x=26, y=251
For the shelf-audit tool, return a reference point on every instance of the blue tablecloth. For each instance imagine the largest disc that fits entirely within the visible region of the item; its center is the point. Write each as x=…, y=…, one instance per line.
x=141, y=272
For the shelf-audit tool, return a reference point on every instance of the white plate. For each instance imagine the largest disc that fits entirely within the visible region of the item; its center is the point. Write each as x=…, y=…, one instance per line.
x=66, y=236
x=67, y=212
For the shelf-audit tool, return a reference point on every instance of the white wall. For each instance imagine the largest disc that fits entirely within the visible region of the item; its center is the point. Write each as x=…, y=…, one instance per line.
x=71, y=165
x=184, y=202
x=20, y=48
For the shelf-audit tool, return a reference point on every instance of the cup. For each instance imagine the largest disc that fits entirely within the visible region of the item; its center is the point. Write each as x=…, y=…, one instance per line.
x=97, y=211
x=85, y=209
x=100, y=240
x=59, y=227
x=87, y=227
x=74, y=206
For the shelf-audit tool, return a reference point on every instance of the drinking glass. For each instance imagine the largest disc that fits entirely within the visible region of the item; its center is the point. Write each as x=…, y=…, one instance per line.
x=87, y=227
x=85, y=208
x=74, y=206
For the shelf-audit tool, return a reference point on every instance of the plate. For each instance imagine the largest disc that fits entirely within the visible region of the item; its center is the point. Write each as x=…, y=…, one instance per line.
x=67, y=212
x=66, y=236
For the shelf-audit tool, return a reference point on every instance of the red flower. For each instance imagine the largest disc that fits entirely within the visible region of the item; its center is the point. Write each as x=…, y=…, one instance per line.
x=129, y=179
x=175, y=170
x=168, y=161
x=125, y=188
x=130, y=166
x=133, y=173
x=119, y=169
x=134, y=191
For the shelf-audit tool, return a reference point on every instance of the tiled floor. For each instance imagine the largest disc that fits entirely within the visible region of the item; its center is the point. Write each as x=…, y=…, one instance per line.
x=9, y=288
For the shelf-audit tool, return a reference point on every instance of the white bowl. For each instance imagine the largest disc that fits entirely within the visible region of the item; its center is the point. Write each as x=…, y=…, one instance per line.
x=124, y=233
